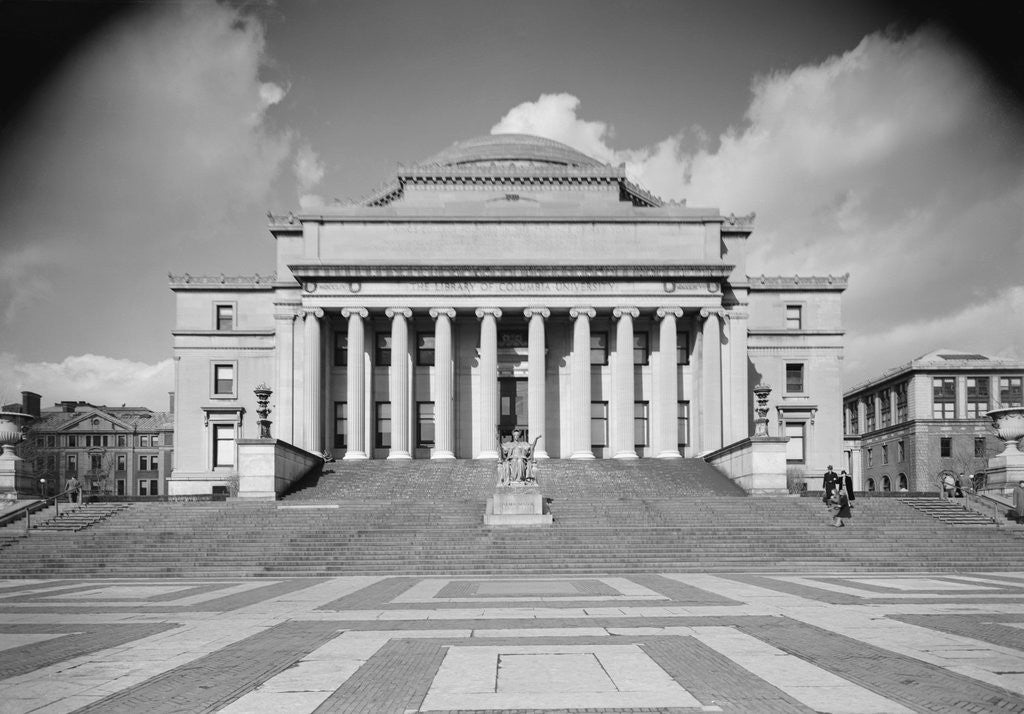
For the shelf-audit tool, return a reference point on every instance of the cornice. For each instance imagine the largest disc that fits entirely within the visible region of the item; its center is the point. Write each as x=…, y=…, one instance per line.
x=670, y=215
x=798, y=282
x=317, y=271
x=223, y=333
x=222, y=281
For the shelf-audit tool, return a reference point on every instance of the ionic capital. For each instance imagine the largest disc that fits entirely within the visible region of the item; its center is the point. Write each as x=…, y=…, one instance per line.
x=315, y=312
x=531, y=311
x=664, y=312
x=494, y=312
x=360, y=312
x=621, y=312
x=393, y=312
x=577, y=312
x=436, y=312
x=707, y=312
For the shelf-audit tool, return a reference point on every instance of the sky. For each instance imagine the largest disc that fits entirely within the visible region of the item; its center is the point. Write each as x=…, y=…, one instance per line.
x=883, y=140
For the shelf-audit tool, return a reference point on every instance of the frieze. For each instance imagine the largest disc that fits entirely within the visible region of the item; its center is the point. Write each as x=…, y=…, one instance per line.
x=799, y=282
x=186, y=280
x=464, y=273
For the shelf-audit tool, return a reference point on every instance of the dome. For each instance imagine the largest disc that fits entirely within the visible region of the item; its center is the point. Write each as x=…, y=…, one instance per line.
x=510, y=149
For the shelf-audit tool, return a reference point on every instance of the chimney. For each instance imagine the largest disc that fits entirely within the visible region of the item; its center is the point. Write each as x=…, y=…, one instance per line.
x=170, y=400
x=68, y=406
x=30, y=403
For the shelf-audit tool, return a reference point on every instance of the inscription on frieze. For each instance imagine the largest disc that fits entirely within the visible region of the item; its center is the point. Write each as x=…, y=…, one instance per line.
x=474, y=287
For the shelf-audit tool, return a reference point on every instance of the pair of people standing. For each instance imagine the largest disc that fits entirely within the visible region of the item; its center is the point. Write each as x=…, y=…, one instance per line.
x=838, y=496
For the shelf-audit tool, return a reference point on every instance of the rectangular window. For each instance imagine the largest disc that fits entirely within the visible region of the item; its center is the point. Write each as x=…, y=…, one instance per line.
x=95, y=462
x=943, y=398
x=794, y=378
x=885, y=453
x=599, y=423
x=1010, y=392
x=795, y=445
x=383, y=425
x=641, y=423
x=885, y=408
x=641, y=348
x=425, y=424
x=72, y=463
x=977, y=397
x=871, y=456
x=154, y=463
x=598, y=348
x=869, y=413
x=945, y=446
x=682, y=348
x=794, y=317
x=340, y=424
x=979, y=447
x=901, y=451
x=154, y=487
x=122, y=440
x=901, y=402
x=122, y=462
x=340, y=349
x=225, y=318
x=73, y=440
x=142, y=488
x=51, y=441
x=120, y=487
x=144, y=462
x=382, y=351
x=425, y=349
x=854, y=419
x=223, y=445
x=224, y=380
x=682, y=423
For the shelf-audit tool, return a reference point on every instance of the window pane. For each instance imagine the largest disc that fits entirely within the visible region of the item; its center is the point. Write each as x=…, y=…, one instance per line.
x=599, y=423
x=223, y=444
x=641, y=351
x=682, y=348
x=425, y=423
x=383, y=430
x=795, y=445
x=225, y=317
x=640, y=423
x=341, y=349
x=682, y=423
x=224, y=379
x=340, y=424
x=599, y=348
x=425, y=350
x=383, y=356
x=1011, y=393
x=794, y=317
x=794, y=378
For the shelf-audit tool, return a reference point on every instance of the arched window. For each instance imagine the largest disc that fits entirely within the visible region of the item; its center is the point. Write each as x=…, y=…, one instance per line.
x=886, y=484
x=904, y=486
x=871, y=485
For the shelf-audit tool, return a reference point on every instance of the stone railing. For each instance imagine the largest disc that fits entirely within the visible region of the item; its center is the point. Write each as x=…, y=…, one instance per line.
x=755, y=464
x=267, y=468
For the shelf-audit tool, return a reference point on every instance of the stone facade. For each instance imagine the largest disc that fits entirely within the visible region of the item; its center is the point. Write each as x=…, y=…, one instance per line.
x=508, y=281
x=917, y=422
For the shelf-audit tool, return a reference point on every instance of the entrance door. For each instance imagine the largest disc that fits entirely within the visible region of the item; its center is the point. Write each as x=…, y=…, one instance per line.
x=512, y=409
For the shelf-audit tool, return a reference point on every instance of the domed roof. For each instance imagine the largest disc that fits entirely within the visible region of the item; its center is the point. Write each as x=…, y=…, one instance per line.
x=510, y=148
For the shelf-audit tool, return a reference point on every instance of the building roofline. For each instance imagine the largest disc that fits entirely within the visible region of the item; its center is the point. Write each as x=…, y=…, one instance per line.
x=798, y=282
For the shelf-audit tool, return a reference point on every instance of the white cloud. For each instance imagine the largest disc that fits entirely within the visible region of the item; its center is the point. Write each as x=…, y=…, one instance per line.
x=92, y=378
x=309, y=170
x=897, y=162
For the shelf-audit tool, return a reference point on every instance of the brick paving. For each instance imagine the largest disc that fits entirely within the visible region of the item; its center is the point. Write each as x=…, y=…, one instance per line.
x=851, y=643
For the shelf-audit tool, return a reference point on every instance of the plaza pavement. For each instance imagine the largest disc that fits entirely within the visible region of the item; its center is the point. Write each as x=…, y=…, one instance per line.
x=856, y=643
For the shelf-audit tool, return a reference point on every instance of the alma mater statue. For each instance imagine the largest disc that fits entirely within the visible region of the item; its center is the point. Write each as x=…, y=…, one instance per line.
x=515, y=460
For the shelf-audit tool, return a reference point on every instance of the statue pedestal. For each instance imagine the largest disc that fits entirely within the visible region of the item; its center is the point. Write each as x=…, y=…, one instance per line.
x=16, y=478
x=1004, y=472
x=516, y=506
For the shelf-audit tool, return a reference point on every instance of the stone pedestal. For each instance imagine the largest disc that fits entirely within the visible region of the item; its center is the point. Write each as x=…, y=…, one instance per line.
x=516, y=506
x=1004, y=472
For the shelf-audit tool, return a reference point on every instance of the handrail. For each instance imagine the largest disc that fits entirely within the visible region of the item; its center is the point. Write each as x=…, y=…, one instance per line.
x=36, y=505
x=994, y=508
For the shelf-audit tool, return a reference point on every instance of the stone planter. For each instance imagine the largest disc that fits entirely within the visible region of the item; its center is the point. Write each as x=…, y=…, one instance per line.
x=15, y=473
x=1009, y=426
x=1007, y=468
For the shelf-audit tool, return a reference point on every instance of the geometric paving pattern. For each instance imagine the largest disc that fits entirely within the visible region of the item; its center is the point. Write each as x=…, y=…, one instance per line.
x=628, y=643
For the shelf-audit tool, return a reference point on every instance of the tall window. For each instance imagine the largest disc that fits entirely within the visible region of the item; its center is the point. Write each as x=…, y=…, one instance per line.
x=383, y=425
x=885, y=408
x=121, y=462
x=977, y=397
x=885, y=453
x=425, y=424
x=945, y=446
x=382, y=352
x=599, y=423
x=341, y=349
x=854, y=418
x=225, y=317
x=72, y=463
x=340, y=424
x=871, y=456
x=641, y=348
x=869, y=413
x=901, y=402
x=1010, y=392
x=641, y=423
x=794, y=317
x=598, y=348
x=73, y=440
x=223, y=445
x=943, y=398
x=901, y=451
x=979, y=447
x=795, y=446
x=122, y=440
x=224, y=380
x=794, y=378
x=95, y=462
x=425, y=349
x=682, y=423
x=682, y=348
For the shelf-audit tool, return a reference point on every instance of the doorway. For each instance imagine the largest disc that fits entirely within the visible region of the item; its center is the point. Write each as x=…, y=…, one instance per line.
x=512, y=405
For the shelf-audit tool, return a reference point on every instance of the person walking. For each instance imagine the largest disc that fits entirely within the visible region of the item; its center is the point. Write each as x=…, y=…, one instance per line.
x=1018, y=502
x=847, y=481
x=828, y=484
x=73, y=488
x=948, y=484
x=841, y=507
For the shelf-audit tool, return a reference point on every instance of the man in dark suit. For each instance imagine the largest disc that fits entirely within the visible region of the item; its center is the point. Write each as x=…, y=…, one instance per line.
x=847, y=482
x=829, y=483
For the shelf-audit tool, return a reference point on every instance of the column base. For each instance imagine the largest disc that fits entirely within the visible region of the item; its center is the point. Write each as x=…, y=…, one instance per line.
x=669, y=455
x=354, y=456
x=439, y=455
x=400, y=456
x=486, y=455
x=541, y=454
x=582, y=455
x=629, y=455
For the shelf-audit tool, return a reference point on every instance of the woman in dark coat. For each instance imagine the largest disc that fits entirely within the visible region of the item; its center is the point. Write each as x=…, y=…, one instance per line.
x=841, y=507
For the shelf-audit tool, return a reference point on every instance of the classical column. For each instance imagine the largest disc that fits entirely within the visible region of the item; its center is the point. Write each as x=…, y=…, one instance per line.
x=623, y=397
x=579, y=382
x=537, y=389
x=666, y=386
x=488, y=423
x=284, y=319
x=711, y=379
x=444, y=380
x=355, y=384
x=739, y=384
x=398, y=383
x=313, y=416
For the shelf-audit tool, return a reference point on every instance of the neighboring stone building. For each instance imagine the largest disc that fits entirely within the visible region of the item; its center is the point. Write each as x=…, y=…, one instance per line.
x=921, y=420
x=507, y=281
x=125, y=451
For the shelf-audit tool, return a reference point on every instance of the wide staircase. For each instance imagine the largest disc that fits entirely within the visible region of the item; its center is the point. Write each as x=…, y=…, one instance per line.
x=427, y=518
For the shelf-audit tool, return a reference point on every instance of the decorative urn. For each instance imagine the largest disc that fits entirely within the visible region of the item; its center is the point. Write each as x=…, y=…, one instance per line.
x=11, y=424
x=1009, y=426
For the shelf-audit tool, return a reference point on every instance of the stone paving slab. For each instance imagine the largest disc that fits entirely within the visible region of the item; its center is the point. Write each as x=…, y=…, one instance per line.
x=669, y=643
